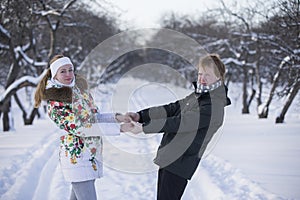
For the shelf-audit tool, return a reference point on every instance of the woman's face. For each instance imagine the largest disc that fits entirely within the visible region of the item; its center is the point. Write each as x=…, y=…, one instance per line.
x=207, y=76
x=65, y=74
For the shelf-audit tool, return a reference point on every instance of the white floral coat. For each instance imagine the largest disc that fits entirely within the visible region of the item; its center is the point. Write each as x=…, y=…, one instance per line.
x=80, y=156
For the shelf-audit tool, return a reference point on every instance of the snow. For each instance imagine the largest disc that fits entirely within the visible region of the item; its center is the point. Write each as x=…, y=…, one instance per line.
x=248, y=159
x=4, y=31
x=232, y=60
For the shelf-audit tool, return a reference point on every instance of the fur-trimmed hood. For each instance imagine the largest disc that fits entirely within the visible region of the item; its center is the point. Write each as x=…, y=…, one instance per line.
x=64, y=94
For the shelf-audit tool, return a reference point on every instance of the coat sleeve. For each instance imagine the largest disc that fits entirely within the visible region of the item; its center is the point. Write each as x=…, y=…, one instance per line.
x=172, y=119
x=188, y=122
x=105, y=118
x=159, y=112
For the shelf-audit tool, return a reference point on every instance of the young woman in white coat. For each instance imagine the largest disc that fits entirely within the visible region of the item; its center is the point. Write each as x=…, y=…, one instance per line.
x=71, y=107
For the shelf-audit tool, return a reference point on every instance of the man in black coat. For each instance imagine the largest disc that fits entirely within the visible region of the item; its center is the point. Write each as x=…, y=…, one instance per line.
x=188, y=126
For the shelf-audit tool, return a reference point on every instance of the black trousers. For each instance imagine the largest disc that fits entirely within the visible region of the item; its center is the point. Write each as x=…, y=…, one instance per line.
x=170, y=186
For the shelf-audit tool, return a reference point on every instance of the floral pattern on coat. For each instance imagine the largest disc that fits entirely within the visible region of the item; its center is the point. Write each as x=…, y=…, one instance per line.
x=73, y=118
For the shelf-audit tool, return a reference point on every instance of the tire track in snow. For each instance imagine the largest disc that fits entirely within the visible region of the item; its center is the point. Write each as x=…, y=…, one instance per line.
x=42, y=190
x=126, y=186
x=28, y=172
x=59, y=188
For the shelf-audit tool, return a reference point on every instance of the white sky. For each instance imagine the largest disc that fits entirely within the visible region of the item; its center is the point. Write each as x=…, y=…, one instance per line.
x=146, y=13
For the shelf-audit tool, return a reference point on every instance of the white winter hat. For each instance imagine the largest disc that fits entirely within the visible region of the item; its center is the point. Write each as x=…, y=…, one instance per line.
x=58, y=63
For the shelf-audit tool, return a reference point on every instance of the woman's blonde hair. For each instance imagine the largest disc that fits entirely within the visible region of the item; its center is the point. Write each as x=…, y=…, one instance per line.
x=40, y=89
x=214, y=61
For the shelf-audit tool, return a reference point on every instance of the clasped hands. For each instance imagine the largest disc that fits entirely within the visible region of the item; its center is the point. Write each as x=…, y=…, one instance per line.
x=129, y=122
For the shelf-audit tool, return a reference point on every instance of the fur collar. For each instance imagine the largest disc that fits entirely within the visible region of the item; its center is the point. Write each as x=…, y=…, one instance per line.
x=64, y=94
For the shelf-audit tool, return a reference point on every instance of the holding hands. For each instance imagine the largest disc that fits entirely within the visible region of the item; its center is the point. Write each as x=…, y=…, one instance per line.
x=130, y=124
x=133, y=127
x=122, y=118
x=133, y=116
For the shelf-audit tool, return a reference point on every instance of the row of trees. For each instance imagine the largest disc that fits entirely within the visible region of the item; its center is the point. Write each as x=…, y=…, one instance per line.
x=31, y=32
x=258, y=53
x=260, y=45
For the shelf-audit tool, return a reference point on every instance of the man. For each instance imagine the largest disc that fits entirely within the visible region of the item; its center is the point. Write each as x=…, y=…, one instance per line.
x=187, y=126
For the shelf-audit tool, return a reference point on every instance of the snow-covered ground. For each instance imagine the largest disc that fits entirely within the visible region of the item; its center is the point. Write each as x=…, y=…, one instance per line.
x=248, y=159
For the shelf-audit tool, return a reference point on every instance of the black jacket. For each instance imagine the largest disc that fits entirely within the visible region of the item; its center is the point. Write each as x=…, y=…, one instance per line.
x=188, y=126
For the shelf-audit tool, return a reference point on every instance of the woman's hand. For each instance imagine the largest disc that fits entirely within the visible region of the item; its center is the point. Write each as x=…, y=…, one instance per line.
x=133, y=127
x=122, y=118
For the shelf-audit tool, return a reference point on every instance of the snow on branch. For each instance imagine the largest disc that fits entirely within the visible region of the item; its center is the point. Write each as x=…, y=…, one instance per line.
x=234, y=61
x=57, y=12
x=4, y=31
x=296, y=51
x=3, y=46
x=67, y=5
x=22, y=82
x=47, y=12
x=29, y=60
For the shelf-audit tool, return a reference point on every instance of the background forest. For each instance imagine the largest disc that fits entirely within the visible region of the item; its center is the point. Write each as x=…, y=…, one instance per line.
x=260, y=45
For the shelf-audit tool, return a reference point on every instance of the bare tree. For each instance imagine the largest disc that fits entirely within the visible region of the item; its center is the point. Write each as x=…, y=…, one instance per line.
x=284, y=27
x=255, y=53
x=249, y=53
x=43, y=28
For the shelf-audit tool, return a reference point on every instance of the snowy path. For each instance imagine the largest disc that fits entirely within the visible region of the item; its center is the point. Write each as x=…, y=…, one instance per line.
x=38, y=176
x=29, y=167
x=27, y=171
x=217, y=179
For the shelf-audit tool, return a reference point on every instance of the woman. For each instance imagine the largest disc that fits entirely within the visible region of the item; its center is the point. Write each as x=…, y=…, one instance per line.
x=71, y=107
x=188, y=126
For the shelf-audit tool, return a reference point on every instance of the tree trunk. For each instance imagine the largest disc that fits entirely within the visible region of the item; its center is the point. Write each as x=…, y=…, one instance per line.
x=34, y=111
x=52, y=43
x=259, y=85
x=251, y=97
x=265, y=110
x=5, y=119
x=29, y=121
x=253, y=91
x=11, y=77
x=245, y=109
x=290, y=98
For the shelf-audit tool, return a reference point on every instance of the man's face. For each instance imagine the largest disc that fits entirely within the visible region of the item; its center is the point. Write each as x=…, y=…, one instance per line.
x=207, y=76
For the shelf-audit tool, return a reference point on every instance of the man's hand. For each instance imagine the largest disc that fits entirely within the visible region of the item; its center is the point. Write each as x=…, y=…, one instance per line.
x=133, y=127
x=134, y=116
